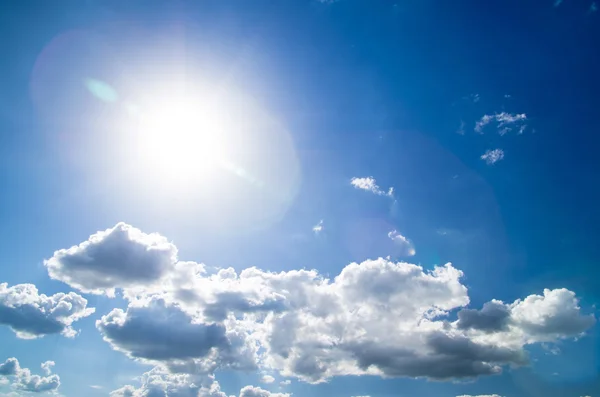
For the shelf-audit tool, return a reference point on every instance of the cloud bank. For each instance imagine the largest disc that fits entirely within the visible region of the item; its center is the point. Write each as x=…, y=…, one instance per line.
x=377, y=317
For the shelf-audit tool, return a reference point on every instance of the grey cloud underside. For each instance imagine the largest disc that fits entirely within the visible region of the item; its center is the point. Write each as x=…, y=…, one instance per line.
x=492, y=317
x=233, y=302
x=29, y=320
x=10, y=367
x=32, y=315
x=160, y=333
x=118, y=257
x=447, y=358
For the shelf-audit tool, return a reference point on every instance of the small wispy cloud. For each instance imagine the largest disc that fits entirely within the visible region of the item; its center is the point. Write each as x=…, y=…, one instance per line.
x=318, y=228
x=461, y=128
x=492, y=156
x=286, y=382
x=557, y=3
x=370, y=184
x=96, y=387
x=472, y=98
x=505, y=122
x=407, y=246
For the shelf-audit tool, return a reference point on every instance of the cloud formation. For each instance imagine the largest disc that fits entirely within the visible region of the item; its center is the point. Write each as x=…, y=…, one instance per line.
x=115, y=258
x=161, y=333
x=370, y=184
x=47, y=367
x=378, y=317
x=267, y=379
x=406, y=246
x=253, y=391
x=22, y=379
x=159, y=383
x=505, y=122
x=492, y=156
x=33, y=315
x=318, y=228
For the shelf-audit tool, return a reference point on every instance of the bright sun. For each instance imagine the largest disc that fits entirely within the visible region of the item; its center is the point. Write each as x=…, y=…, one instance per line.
x=182, y=138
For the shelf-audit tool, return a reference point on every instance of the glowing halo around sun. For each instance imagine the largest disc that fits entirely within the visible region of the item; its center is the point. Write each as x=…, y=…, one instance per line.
x=165, y=130
x=182, y=138
x=210, y=148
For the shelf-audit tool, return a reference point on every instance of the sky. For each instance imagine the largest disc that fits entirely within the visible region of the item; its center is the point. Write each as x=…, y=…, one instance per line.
x=276, y=198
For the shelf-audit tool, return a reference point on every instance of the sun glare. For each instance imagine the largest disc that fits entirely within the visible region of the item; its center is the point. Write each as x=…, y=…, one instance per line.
x=182, y=138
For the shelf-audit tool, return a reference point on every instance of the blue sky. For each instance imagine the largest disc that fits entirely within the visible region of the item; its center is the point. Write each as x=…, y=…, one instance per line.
x=275, y=198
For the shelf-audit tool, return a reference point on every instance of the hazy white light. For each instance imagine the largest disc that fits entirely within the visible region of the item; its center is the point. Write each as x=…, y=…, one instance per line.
x=182, y=138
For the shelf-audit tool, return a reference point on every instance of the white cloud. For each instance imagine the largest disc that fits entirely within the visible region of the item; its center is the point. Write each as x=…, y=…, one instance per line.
x=370, y=184
x=492, y=156
x=406, y=246
x=47, y=367
x=253, y=391
x=318, y=228
x=23, y=380
x=33, y=315
x=505, y=122
x=286, y=382
x=377, y=317
x=157, y=332
x=115, y=258
x=267, y=379
x=97, y=387
x=160, y=383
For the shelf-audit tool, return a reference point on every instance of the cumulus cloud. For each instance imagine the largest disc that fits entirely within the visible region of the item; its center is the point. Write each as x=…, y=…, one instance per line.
x=32, y=315
x=492, y=156
x=378, y=317
x=47, y=367
x=541, y=319
x=161, y=333
x=23, y=380
x=406, y=246
x=492, y=318
x=505, y=122
x=253, y=391
x=115, y=258
x=267, y=379
x=370, y=184
x=160, y=383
